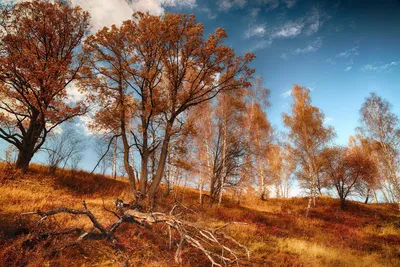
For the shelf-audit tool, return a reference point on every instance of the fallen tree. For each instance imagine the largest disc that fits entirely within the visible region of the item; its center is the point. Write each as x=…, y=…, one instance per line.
x=215, y=244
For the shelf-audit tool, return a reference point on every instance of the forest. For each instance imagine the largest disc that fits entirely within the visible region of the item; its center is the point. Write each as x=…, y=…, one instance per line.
x=190, y=170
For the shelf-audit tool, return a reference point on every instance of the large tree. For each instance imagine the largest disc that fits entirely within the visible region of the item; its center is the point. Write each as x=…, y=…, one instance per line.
x=307, y=137
x=165, y=66
x=38, y=61
x=380, y=125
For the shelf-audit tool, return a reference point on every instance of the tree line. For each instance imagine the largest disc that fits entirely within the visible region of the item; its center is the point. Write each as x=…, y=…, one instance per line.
x=182, y=104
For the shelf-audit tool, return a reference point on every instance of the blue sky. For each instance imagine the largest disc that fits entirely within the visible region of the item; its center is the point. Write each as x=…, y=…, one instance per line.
x=342, y=50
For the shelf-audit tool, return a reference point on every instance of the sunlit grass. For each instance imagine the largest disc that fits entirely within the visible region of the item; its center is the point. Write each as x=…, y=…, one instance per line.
x=276, y=231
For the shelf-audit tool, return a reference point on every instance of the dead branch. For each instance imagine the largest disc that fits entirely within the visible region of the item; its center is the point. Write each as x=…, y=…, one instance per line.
x=213, y=243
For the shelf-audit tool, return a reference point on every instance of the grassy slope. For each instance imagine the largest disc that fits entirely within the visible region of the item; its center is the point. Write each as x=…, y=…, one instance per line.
x=277, y=231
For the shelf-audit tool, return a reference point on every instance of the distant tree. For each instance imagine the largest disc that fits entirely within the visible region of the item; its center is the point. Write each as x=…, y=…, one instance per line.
x=38, y=61
x=307, y=137
x=381, y=125
x=347, y=169
x=64, y=150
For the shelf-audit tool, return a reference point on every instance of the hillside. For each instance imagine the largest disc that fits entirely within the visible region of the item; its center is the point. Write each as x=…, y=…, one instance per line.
x=276, y=230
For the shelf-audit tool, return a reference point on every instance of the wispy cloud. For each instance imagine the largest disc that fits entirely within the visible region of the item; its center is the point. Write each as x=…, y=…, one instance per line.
x=260, y=45
x=254, y=12
x=345, y=57
x=286, y=94
x=289, y=3
x=210, y=14
x=226, y=5
x=349, y=53
x=308, y=25
x=309, y=48
x=288, y=30
x=255, y=30
x=381, y=68
x=328, y=120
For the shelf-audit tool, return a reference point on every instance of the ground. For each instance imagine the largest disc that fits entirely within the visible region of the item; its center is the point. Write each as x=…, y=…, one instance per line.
x=276, y=230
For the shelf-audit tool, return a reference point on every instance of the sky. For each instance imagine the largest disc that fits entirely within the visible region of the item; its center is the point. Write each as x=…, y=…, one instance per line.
x=341, y=49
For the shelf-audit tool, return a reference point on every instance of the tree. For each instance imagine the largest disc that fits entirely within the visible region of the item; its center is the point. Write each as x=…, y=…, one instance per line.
x=63, y=149
x=381, y=125
x=38, y=61
x=260, y=133
x=347, y=169
x=164, y=66
x=280, y=169
x=368, y=188
x=307, y=136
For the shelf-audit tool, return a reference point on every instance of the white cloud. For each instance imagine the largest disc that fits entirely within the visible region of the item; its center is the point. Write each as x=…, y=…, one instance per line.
x=288, y=30
x=289, y=3
x=349, y=53
x=327, y=120
x=254, y=12
x=226, y=5
x=311, y=47
x=255, y=30
x=108, y=12
x=381, y=68
x=331, y=61
x=346, y=57
x=260, y=45
x=348, y=68
x=309, y=25
x=269, y=4
x=208, y=12
x=74, y=94
x=286, y=94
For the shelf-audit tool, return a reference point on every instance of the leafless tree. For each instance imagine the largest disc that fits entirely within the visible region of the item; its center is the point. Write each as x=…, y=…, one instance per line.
x=64, y=150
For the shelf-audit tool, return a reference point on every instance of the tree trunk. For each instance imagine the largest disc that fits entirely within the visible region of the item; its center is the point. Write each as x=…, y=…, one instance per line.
x=161, y=165
x=342, y=203
x=24, y=158
x=128, y=168
x=115, y=158
x=367, y=198
x=144, y=170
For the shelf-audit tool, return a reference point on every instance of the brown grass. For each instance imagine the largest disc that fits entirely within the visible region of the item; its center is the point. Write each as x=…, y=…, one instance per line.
x=277, y=231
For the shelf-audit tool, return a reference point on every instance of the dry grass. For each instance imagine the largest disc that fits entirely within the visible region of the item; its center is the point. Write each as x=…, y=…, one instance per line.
x=277, y=231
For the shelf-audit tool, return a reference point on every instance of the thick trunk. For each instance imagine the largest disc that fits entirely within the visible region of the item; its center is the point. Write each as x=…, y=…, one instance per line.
x=342, y=203
x=24, y=158
x=161, y=165
x=29, y=143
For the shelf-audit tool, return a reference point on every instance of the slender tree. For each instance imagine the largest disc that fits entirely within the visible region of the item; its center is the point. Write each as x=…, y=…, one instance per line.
x=381, y=125
x=38, y=61
x=307, y=137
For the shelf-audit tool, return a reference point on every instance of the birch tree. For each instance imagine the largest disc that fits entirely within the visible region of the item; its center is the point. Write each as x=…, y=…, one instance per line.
x=307, y=136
